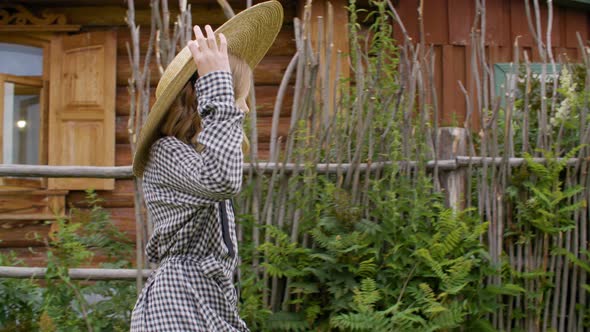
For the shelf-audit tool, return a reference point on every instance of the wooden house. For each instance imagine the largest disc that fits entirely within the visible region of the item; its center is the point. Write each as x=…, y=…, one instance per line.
x=64, y=72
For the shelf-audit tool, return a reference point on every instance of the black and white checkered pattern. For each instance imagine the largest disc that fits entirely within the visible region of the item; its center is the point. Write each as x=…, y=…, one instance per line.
x=192, y=288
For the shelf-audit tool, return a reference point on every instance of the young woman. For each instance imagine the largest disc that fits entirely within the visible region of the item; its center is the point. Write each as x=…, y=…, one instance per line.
x=190, y=156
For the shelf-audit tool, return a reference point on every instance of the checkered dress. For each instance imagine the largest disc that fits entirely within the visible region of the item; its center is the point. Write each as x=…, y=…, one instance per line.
x=187, y=193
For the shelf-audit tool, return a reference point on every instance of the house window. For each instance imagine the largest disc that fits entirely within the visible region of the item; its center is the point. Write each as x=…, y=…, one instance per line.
x=507, y=78
x=22, y=111
x=21, y=120
x=21, y=60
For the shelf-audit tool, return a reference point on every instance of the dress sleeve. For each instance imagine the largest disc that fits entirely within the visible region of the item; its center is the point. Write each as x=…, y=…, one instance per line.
x=213, y=170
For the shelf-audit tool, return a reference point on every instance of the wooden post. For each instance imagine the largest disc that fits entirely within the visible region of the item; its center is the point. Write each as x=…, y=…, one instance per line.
x=453, y=143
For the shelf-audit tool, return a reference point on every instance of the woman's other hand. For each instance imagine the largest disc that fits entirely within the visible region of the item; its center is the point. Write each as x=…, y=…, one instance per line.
x=209, y=56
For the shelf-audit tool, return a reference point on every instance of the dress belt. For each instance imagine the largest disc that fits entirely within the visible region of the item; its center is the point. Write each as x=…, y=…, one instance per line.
x=225, y=228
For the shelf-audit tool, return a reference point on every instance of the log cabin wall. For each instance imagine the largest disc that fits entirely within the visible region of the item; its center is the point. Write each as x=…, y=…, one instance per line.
x=101, y=15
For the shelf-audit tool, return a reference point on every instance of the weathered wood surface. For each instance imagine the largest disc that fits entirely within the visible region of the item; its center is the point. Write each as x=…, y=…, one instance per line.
x=283, y=45
x=23, y=233
x=36, y=257
x=265, y=100
x=268, y=72
x=75, y=274
x=114, y=16
x=119, y=3
x=121, y=196
x=34, y=231
x=264, y=124
x=452, y=142
x=65, y=171
x=82, y=133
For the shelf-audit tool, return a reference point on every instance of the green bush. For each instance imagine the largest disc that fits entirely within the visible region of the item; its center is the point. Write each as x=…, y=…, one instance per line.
x=61, y=304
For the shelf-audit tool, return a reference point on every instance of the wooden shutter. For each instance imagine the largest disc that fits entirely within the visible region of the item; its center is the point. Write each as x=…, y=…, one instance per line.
x=82, y=106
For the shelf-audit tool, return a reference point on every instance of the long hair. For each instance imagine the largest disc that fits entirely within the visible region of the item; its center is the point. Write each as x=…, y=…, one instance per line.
x=183, y=120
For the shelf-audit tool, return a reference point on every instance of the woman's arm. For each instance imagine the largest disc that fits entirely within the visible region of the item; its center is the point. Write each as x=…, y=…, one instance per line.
x=214, y=170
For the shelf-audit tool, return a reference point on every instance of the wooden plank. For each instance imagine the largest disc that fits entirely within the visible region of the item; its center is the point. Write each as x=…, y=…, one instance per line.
x=498, y=23
x=37, y=257
x=453, y=110
x=576, y=21
x=22, y=204
x=436, y=22
x=439, y=78
x=520, y=27
x=268, y=72
x=28, y=216
x=408, y=11
x=38, y=28
x=23, y=233
x=499, y=54
x=123, y=4
x=265, y=100
x=28, y=256
x=266, y=97
x=121, y=133
x=121, y=196
x=123, y=155
x=122, y=102
x=112, y=16
x=567, y=55
x=461, y=14
x=124, y=219
x=283, y=45
x=265, y=125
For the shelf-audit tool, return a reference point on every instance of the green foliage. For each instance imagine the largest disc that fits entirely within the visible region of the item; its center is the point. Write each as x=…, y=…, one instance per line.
x=63, y=304
x=544, y=208
x=21, y=300
x=410, y=265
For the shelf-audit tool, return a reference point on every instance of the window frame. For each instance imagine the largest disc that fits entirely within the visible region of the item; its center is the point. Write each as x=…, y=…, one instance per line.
x=503, y=69
x=43, y=41
x=35, y=81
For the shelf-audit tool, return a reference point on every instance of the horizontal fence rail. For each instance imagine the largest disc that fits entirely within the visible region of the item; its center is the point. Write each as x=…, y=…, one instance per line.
x=126, y=172
x=78, y=274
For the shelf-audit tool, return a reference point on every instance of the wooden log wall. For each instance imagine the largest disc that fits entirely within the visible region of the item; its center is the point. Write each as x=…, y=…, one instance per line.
x=447, y=26
x=110, y=15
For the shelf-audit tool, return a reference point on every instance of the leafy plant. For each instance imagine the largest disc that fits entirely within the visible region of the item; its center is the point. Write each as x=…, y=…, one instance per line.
x=63, y=304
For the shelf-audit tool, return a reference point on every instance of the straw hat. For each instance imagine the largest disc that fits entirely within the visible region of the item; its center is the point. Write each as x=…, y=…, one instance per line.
x=249, y=36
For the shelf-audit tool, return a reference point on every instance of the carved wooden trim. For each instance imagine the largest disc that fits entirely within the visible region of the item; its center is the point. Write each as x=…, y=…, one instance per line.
x=18, y=18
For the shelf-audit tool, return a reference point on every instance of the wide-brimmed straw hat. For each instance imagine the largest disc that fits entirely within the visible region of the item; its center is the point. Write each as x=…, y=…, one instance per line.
x=249, y=35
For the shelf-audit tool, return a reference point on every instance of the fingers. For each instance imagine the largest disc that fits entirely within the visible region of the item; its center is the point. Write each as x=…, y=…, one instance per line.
x=211, y=37
x=208, y=54
x=193, y=47
x=201, y=40
x=222, y=43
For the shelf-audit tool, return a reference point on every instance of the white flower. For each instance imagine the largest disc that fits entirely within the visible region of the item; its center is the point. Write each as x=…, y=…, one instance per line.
x=563, y=111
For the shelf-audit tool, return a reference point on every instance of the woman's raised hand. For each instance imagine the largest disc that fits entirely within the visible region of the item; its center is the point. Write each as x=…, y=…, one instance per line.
x=209, y=56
